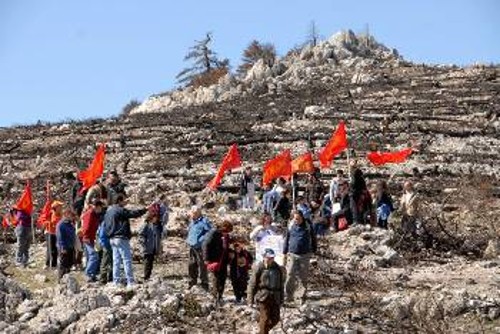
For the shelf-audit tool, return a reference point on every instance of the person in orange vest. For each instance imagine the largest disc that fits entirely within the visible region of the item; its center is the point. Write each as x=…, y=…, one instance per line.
x=56, y=211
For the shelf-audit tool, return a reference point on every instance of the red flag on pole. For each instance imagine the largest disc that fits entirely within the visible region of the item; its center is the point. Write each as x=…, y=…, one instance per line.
x=231, y=160
x=382, y=158
x=45, y=213
x=89, y=176
x=279, y=166
x=25, y=202
x=303, y=164
x=6, y=220
x=336, y=144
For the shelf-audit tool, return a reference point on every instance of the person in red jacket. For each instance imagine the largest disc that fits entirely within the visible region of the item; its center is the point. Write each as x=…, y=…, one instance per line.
x=56, y=211
x=91, y=218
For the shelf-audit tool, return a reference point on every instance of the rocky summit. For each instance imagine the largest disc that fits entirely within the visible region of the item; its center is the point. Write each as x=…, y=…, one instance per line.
x=364, y=279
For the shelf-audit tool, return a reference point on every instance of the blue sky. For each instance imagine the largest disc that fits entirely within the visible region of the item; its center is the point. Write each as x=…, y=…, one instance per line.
x=69, y=59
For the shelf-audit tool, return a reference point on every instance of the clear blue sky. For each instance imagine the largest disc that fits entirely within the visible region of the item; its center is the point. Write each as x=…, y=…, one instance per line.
x=62, y=59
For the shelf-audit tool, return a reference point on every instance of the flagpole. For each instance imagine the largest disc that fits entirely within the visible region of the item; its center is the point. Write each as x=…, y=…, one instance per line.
x=348, y=163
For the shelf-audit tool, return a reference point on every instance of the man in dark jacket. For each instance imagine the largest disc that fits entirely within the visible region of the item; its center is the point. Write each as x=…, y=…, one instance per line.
x=347, y=206
x=66, y=236
x=117, y=226
x=150, y=236
x=216, y=254
x=114, y=187
x=267, y=288
x=247, y=190
x=300, y=244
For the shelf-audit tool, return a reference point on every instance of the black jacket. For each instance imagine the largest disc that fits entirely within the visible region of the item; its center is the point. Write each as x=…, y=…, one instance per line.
x=347, y=207
x=116, y=220
x=300, y=239
x=213, y=247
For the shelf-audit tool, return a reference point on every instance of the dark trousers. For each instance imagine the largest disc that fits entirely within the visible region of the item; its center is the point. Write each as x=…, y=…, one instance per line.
x=269, y=315
x=148, y=265
x=240, y=284
x=106, y=268
x=218, y=282
x=197, y=267
x=66, y=261
x=51, y=254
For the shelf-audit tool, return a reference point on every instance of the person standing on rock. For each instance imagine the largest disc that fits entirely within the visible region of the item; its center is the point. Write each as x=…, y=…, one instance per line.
x=383, y=203
x=300, y=244
x=342, y=219
x=363, y=211
x=267, y=289
x=150, y=236
x=247, y=190
x=66, y=236
x=105, y=254
x=23, y=230
x=216, y=255
x=334, y=186
x=117, y=225
x=314, y=188
x=56, y=212
x=114, y=187
x=409, y=206
x=91, y=220
x=197, y=231
x=283, y=208
x=269, y=199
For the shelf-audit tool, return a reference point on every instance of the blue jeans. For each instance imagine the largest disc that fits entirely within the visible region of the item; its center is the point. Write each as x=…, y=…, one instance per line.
x=122, y=254
x=92, y=257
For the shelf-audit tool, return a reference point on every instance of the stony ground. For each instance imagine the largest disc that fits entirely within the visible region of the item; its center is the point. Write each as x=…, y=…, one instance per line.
x=366, y=281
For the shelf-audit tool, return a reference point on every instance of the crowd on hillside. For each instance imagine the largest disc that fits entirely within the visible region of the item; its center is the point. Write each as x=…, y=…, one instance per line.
x=96, y=226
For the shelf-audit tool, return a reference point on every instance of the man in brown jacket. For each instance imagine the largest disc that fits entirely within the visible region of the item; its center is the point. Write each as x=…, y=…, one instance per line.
x=267, y=287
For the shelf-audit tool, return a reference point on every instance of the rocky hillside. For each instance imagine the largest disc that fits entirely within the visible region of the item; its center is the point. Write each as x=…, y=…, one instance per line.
x=363, y=280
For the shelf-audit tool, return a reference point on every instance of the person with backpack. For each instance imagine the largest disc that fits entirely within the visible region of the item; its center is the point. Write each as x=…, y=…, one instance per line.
x=50, y=224
x=266, y=288
x=216, y=255
x=300, y=244
x=117, y=225
x=240, y=262
x=383, y=204
x=150, y=236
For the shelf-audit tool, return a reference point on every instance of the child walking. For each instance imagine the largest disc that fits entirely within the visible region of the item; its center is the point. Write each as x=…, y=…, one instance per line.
x=239, y=265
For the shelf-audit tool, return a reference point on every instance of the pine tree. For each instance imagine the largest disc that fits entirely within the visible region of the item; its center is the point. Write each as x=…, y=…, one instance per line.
x=206, y=68
x=255, y=52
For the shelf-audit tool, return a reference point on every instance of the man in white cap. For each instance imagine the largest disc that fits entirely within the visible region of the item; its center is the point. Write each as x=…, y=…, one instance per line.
x=267, y=287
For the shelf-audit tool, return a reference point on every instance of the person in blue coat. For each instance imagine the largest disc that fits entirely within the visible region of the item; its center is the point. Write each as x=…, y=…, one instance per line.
x=66, y=237
x=197, y=231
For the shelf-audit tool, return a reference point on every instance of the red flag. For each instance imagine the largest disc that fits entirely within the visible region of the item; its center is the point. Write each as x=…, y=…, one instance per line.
x=5, y=221
x=303, y=164
x=279, y=166
x=25, y=202
x=382, y=158
x=94, y=171
x=231, y=160
x=336, y=144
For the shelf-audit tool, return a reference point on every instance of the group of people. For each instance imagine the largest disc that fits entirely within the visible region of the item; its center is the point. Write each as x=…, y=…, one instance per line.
x=97, y=223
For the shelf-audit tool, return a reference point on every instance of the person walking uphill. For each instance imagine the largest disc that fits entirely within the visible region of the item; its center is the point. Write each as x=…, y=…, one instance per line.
x=150, y=236
x=300, y=243
x=240, y=262
x=66, y=236
x=216, y=255
x=267, y=288
x=117, y=225
x=91, y=220
x=197, y=230
x=56, y=211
